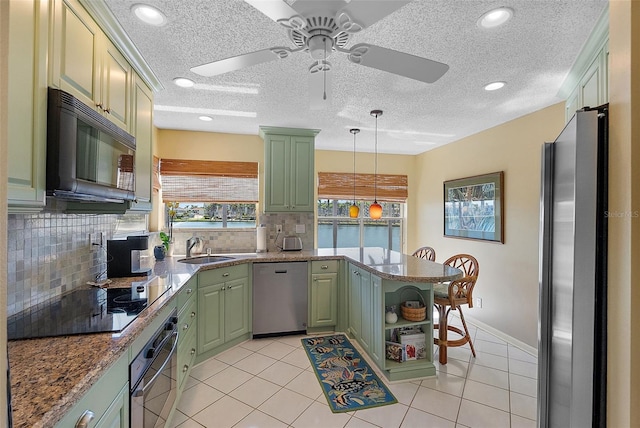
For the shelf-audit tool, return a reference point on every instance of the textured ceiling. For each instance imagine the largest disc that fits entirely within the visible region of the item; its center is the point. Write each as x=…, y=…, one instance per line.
x=533, y=53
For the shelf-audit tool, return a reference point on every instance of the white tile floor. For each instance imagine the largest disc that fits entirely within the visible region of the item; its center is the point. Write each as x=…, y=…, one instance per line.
x=270, y=383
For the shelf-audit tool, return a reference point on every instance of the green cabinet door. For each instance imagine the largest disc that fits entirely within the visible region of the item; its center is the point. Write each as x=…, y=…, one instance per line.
x=376, y=346
x=324, y=300
x=27, y=95
x=366, y=310
x=301, y=191
x=117, y=415
x=142, y=127
x=236, y=308
x=355, y=302
x=210, y=317
x=277, y=172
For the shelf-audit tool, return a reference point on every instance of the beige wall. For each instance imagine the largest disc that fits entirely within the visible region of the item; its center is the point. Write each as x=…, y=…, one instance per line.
x=508, y=280
x=623, y=356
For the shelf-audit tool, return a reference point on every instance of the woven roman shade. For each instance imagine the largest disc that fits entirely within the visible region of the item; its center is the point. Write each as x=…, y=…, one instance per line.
x=339, y=185
x=185, y=180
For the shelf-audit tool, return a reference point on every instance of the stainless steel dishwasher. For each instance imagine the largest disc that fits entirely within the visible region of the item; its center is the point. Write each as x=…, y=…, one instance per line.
x=279, y=298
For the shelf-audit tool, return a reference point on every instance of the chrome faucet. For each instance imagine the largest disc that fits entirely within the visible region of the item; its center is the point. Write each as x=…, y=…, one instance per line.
x=192, y=242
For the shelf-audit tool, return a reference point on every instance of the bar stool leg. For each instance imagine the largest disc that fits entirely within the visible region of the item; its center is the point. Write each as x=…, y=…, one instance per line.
x=443, y=313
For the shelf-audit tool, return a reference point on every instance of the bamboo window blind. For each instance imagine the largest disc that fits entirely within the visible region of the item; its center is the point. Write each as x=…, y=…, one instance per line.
x=185, y=180
x=339, y=185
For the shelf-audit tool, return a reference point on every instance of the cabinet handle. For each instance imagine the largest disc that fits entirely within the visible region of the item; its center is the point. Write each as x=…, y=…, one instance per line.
x=100, y=106
x=85, y=419
x=185, y=327
x=185, y=368
x=193, y=351
x=324, y=267
x=107, y=110
x=193, y=314
x=224, y=288
x=189, y=291
x=225, y=274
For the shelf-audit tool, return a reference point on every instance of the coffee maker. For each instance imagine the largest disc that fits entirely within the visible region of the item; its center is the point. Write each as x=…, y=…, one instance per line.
x=123, y=256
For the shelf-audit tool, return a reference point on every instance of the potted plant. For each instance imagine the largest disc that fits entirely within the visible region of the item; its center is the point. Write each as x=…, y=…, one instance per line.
x=160, y=251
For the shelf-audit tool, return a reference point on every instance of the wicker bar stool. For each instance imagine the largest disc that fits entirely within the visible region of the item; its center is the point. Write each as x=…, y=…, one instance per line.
x=451, y=296
x=426, y=253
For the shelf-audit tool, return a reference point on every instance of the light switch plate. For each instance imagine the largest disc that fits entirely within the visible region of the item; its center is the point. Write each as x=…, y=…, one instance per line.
x=300, y=228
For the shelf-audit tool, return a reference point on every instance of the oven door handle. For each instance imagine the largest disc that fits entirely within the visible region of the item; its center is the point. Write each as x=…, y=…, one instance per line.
x=140, y=391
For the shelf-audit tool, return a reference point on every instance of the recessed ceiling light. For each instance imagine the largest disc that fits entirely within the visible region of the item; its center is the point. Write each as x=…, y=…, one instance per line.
x=493, y=86
x=183, y=82
x=205, y=118
x=495, y=17
x=149, y=14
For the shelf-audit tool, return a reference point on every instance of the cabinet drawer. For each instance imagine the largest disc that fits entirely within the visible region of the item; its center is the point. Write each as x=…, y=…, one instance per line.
x=187, y=291
x=187, y=318
x=223, y=274
x=324, y=266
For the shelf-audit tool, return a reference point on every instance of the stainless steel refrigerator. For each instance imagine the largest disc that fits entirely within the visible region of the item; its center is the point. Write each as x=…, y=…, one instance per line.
x=572, y=340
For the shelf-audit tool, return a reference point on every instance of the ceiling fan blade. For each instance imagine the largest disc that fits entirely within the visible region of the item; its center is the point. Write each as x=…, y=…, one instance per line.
x=366, y=12
x=320, y=84
x=276, y=10
x=403, y=64
x=241, y=61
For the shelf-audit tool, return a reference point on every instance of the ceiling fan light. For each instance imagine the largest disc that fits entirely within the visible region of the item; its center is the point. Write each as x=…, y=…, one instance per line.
x=149, y=14
x=375, y=210
x=183, y=82
x=494, y=86
x=495, y=17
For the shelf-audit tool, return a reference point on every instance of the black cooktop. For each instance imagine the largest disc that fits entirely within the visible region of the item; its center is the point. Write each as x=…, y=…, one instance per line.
x=85, y=310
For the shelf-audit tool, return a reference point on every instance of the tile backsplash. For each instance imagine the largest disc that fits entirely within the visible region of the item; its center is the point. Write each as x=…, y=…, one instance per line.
x=50, y=253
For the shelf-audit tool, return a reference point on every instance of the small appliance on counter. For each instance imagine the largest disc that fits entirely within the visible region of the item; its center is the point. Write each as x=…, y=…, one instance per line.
x=291, y=243
x=123, y=256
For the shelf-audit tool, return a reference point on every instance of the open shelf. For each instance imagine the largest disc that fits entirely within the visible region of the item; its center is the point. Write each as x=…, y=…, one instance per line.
x=404, y=323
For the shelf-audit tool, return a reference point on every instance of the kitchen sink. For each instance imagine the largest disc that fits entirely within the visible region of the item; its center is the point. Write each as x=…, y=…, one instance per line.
x=201, y=260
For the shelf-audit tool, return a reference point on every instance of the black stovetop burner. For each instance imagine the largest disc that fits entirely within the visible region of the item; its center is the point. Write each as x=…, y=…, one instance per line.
x=85, y=310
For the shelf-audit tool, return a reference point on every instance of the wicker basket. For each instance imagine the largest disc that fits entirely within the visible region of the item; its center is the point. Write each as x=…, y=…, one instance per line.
x=413, y=314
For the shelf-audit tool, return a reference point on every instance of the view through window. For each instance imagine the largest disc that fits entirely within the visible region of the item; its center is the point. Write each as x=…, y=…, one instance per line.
x=337, y=230
x=214, y=215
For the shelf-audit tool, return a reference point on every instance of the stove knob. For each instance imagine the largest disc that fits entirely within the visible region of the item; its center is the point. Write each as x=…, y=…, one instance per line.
x=150, y=353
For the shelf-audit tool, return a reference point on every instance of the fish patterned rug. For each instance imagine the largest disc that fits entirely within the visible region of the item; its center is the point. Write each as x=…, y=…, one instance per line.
x=348, y=382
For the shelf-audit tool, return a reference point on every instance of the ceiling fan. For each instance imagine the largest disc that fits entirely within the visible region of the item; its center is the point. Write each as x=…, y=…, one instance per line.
x=321, y=27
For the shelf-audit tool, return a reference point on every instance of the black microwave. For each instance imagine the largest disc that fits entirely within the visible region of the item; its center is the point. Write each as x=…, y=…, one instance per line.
x=89, y=158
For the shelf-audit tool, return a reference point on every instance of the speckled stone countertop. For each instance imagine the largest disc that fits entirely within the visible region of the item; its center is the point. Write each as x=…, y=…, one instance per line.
x=50, y=375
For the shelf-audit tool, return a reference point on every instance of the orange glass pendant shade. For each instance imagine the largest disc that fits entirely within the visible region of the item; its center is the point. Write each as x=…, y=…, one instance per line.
x=375, y=210
x=354, y=211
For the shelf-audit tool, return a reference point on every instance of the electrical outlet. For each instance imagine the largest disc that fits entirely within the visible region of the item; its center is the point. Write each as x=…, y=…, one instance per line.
x=278, y=228
x=477, y=302
x=96, y=240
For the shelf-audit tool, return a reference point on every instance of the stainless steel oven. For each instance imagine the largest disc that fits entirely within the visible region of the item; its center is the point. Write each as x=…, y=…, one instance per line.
x=153, y=378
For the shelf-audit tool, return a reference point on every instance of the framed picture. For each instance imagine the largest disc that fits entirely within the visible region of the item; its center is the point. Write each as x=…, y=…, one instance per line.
x=473, y=207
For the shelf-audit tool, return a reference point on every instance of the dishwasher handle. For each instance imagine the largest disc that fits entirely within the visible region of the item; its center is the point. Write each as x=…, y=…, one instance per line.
x=281, y=271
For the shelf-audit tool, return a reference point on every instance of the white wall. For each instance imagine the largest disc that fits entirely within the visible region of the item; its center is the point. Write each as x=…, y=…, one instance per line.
x=508, y=280
x=4, y=56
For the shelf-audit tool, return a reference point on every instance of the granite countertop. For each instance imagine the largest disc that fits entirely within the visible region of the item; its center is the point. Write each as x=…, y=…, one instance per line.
x=50, y=375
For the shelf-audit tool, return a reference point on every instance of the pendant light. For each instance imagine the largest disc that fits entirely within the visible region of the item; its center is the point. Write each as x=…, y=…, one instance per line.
x=354, y=210
x=375, y=209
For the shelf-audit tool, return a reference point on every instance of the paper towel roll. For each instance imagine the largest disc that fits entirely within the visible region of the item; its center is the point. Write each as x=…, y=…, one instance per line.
x=261, y=238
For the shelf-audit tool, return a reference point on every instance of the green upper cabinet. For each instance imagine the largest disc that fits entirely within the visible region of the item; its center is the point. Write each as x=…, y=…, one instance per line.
x=289, y=169
x=142, y=127
x=27, y=96
x=87, y=65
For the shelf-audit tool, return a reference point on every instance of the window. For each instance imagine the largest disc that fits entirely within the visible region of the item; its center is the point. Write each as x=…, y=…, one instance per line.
x=210, y=194
x=336, y=229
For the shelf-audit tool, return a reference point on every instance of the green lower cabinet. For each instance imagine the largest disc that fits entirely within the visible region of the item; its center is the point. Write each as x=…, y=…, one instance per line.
x=355, y=302
x=117, y=415
x=366, y=311
x=376, y=345
x=324, y=300
x=223, y=313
